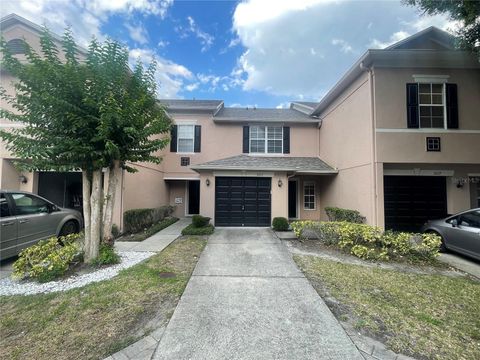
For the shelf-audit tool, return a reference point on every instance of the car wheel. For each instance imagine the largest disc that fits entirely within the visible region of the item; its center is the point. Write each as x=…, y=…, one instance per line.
x=443, y=248
x=70, y=227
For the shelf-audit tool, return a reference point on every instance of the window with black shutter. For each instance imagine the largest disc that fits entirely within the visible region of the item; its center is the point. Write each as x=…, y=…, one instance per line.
x=432, y=106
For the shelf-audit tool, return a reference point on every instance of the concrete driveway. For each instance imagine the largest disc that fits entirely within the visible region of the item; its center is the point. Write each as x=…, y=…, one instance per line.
x=248, y=300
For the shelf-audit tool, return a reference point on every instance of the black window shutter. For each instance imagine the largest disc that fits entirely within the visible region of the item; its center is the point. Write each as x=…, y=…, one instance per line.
x=286, y=140
x=452, y=106
x=198, y=138
x=246, y=139
x=412, y=106
x=173, y=139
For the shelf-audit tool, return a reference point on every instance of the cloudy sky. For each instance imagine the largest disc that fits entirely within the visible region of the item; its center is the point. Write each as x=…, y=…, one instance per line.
x=255, y=52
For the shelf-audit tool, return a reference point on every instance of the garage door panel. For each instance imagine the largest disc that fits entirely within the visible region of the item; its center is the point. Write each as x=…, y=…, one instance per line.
x=242, y=201
x=412, y=200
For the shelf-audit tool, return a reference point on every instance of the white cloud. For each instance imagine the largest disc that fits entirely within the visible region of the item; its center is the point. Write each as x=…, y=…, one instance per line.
x=191, y=87
x=100, y=7
x=301, y=48
x=345, y=47
x=84, y=16
x=163, y=43
x=138, y=33
x=283, y=105
x=206, y=39
x=170, y=77
x=395, y=37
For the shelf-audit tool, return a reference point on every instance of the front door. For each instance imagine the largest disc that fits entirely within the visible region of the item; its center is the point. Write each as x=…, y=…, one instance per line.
x=193, y=197
x=292, y=199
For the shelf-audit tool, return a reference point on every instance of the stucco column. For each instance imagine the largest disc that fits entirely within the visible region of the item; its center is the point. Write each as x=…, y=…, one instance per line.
x=280, y=195
x=207, y=195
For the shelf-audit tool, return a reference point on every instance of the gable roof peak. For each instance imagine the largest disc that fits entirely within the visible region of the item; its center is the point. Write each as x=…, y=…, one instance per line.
x=430, y=38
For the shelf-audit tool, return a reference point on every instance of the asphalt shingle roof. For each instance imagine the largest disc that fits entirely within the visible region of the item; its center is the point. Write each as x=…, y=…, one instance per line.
x=178, y=104
x=261, y=114
x=268, y=163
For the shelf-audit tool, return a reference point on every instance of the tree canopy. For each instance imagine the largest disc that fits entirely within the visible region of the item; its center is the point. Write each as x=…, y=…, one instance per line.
x=81, y=112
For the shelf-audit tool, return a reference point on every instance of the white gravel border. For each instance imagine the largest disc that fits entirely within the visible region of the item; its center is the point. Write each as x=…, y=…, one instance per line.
x=8, y=286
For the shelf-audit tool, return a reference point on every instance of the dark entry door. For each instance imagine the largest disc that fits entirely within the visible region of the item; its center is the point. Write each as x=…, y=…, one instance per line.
x=292, y=199
x=412, y=200
x=242, y=201
x=193, y=197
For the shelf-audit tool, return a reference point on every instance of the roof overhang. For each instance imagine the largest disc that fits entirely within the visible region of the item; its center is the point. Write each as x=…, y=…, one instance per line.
x=265, y=120
x=274, y=169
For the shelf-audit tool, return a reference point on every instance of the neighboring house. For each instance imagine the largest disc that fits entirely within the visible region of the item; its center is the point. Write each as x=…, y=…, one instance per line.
x=397, y=138
x=65, y=188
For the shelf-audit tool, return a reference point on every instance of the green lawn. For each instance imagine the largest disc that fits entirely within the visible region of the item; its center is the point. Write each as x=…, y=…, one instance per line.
x=99, y=319
x=427, y=316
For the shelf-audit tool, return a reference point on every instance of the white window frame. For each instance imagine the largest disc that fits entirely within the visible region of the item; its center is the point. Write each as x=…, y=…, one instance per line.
x=443, y=105
x=178, y=139
x=266, y=129
x=305, y=184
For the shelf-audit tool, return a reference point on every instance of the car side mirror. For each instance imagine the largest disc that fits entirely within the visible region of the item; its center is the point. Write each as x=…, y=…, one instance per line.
x=454, y=222
x=50, y=208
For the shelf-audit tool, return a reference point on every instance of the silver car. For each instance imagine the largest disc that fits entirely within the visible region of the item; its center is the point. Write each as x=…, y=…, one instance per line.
x=460, y=232
x=27, y=218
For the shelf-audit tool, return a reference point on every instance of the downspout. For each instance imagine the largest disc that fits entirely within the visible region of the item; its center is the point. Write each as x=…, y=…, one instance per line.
x=373, y=142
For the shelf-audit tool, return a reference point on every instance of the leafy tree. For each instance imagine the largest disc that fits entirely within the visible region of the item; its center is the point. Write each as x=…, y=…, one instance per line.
x=89, y=112
x=466, y=11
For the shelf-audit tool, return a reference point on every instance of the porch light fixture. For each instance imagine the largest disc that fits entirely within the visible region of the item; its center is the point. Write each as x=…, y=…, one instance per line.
x=207, y=182
x=280, y=182
x=23, y=179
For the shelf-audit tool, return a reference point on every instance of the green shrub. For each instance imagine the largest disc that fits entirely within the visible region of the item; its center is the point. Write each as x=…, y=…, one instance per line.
x=280, y=224
x=200, y=221
x=115, y=231
x=106, y=256
x=48, y=259
x=140, y=236
x=370, y=242
x=136, y=220
x=339, y=214
x=193, y=230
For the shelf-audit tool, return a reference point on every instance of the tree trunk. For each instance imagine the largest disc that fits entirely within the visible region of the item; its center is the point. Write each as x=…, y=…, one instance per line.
x=114, y=173
x=86, y=190
x=95, y=217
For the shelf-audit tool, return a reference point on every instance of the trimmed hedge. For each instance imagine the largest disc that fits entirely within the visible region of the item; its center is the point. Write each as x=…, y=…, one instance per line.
x=370, y=242
x=339, y=214
x=280, y=224
x=136, y=220
x=193, y=230
x=200, y=221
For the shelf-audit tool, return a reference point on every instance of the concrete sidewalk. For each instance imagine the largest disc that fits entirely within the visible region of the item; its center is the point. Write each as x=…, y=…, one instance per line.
x=156, y=242
x=248, y=300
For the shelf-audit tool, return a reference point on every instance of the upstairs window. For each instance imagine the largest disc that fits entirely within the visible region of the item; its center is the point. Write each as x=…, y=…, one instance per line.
x=432, y=105
x=16, y=46
x=266, y=139
x=186, y=138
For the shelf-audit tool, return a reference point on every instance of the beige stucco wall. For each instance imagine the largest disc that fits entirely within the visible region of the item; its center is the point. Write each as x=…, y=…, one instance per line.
x=345, y=140
x=178, y=189
x=224, y=140
x=408, y=145
x=390, y=95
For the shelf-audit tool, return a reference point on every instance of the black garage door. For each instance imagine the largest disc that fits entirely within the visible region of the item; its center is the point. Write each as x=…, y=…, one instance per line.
x=242, y=201
x=412, y=200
